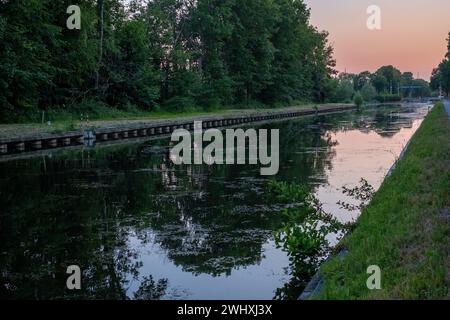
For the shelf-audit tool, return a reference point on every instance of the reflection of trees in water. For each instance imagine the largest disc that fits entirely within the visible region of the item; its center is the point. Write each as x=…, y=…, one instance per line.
x=386, y=121
x=81, y=208
x=151, y=290
x=206, y=236
x=303, y=236
x=313, y=145
x=66, y=218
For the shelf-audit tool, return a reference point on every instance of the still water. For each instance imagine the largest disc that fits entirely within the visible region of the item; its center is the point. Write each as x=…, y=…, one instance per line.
x=141, y=228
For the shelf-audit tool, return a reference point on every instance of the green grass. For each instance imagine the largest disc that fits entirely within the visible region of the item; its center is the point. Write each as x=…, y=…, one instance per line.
x=58, y=116
x=406, y=228
x=97, y=111
x=63, y=120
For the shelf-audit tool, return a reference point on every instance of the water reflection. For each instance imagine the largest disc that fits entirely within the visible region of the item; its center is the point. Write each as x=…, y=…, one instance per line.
x=141, y=228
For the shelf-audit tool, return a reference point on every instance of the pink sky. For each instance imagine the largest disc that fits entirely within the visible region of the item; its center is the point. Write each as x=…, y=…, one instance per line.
x=412, y=36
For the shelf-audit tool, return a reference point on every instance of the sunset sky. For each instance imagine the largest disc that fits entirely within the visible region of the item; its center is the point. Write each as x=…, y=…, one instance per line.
x=412, y=36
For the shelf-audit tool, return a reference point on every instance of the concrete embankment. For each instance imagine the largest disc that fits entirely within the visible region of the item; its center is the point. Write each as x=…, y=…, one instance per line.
x=20, y=143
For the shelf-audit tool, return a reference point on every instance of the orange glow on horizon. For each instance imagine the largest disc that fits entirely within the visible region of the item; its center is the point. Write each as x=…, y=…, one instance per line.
x=412, y=37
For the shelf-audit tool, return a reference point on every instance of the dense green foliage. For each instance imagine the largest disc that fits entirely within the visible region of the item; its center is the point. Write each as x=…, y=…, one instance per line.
x=358, y=100
x=387, y=84
x=304, y=232
x=404, y=230
x=440, y=79
x=368, y=92
x=162, y=54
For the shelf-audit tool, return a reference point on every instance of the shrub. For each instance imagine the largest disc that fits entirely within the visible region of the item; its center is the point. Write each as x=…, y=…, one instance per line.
x=358, y=100
x=344, y=92
x=179, y=104
x=368, y=92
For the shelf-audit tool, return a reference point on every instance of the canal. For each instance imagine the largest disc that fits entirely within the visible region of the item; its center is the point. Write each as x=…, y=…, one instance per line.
x=141, y=228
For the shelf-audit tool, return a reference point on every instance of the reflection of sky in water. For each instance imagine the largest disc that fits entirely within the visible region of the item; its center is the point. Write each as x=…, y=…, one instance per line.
x=359, y=155
x=261, y=279
x=127, y=213
x=355, y=154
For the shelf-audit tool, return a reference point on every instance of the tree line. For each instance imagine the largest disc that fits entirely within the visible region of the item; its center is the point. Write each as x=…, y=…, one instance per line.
x=173, y=55
x=440, y=78
x=387, y=84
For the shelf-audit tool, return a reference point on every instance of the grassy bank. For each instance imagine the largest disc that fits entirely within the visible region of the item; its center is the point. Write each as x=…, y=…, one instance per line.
x=405, y=229
x=63, y=120
x=59, y=123
x=97, y=111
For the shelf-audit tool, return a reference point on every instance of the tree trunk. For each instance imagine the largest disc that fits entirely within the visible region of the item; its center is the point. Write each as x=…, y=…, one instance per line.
x=100, y=12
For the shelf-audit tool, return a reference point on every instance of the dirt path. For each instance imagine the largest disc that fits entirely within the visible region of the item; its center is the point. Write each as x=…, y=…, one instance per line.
x=447, y=106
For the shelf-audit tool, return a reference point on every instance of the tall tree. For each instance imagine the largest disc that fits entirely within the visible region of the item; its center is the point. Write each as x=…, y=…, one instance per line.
x=212, y=28
x=29, y=36
x=172, y=53
x=101, y=33
x=440, y=78
x=250, y=50
x=392, y=78
x=361, y=79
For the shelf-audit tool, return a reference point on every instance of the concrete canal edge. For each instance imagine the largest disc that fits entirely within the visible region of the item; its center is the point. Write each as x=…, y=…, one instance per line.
x=152, y=128
x=315, y=285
